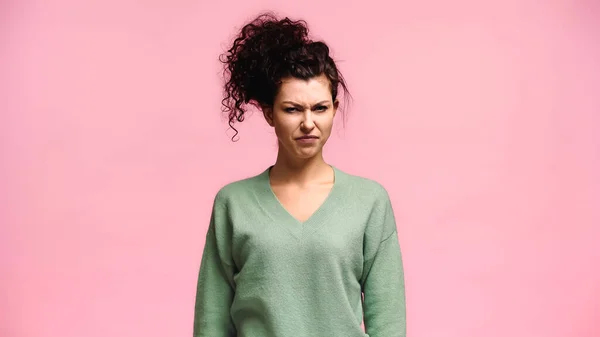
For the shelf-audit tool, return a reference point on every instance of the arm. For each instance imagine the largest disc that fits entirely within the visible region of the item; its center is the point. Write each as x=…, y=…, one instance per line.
x=216, y=288
x=383, y=279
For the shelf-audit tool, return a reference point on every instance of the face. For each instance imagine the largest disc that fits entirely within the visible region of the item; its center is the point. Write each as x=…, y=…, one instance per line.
x=302, y=116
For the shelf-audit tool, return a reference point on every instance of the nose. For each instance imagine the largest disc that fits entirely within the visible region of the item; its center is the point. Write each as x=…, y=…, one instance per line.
x=307, y=123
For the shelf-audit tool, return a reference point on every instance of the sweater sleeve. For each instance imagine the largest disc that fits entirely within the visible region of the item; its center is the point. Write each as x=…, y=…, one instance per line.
x=216, y=288
x=383, y=281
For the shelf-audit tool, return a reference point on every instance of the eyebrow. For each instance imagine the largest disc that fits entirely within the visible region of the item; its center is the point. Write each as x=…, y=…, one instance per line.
x=297, y=104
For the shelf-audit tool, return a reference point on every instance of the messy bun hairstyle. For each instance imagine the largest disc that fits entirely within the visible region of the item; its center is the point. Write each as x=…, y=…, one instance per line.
x=266, y=51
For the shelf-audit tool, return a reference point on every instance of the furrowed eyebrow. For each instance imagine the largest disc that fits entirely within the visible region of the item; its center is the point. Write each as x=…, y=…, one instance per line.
x=316, y=104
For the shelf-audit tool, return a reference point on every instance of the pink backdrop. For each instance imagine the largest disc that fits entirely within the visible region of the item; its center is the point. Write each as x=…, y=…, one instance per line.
x=482, y=120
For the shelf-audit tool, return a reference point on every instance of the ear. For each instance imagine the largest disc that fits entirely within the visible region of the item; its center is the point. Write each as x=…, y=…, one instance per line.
x=268, y=113
x=336, y=104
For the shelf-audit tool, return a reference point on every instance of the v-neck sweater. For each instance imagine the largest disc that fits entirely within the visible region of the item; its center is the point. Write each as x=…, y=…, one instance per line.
x=265, y=274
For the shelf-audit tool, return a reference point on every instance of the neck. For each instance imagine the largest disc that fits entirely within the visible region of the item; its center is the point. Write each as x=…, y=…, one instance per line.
x=300, y=171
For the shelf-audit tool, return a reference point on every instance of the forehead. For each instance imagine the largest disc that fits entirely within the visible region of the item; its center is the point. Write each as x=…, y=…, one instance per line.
x=309, y=91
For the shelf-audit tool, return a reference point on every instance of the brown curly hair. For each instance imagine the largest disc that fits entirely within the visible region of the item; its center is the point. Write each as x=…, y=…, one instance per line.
x=266, y=50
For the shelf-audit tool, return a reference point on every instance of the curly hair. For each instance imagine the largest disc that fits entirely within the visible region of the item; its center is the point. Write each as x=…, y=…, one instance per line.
x=266, y=51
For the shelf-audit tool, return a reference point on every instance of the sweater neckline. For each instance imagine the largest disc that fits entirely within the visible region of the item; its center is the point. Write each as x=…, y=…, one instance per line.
x=280, y=213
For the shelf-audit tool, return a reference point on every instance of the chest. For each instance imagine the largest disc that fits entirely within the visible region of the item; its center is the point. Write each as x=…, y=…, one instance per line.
x=266, y=238
x=263, y=247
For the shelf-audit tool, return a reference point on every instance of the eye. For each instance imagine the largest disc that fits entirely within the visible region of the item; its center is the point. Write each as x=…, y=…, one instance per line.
x=322, y=108
x=290, y=110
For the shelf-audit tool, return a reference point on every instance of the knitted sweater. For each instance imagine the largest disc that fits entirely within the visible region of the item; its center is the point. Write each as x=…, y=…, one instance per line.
x=265, y=274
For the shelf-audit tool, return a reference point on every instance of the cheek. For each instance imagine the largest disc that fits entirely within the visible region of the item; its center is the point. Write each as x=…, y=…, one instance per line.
x=283, y=128
x=325, y=124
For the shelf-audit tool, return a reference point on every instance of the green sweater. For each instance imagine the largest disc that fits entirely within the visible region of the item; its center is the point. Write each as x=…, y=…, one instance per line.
x=265, y=274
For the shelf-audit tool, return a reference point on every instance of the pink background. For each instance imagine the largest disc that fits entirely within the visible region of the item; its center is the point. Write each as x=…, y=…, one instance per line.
x=482, y=120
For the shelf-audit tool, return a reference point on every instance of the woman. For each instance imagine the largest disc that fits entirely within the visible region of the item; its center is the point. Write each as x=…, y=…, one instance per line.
x=303, y=248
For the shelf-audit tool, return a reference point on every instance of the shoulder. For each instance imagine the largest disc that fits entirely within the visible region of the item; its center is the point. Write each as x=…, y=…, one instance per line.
x=362, y=185
x=238, y=189
x=370, y=199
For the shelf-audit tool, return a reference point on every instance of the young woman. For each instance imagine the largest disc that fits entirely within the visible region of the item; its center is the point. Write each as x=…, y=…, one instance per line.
x=302, y=248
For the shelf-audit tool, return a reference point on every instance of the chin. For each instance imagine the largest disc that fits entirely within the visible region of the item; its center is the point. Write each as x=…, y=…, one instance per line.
x=306, y=154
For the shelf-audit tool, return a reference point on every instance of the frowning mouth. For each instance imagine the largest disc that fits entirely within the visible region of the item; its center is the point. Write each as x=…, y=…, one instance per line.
x=307, y=140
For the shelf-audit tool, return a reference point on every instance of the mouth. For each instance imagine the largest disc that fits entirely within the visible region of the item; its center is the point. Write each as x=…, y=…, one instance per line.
x=307, y=140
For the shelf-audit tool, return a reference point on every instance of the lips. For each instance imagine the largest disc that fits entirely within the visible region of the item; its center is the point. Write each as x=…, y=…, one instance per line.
x=308, y=137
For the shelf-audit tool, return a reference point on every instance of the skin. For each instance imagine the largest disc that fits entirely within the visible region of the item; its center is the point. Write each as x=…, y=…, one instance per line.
x=300, y=177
